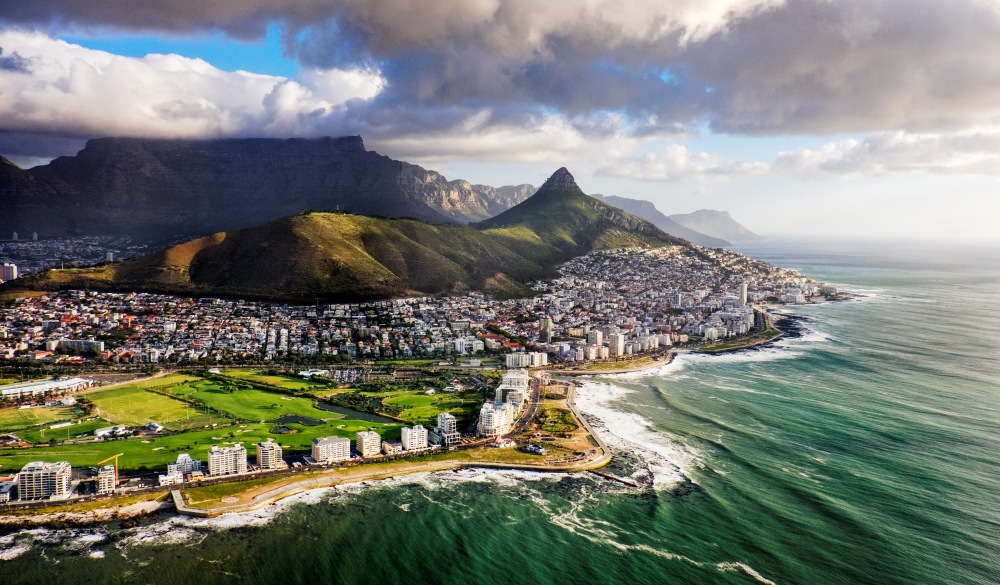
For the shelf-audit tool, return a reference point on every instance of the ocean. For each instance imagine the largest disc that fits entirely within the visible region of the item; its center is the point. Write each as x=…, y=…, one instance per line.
x=862, y=448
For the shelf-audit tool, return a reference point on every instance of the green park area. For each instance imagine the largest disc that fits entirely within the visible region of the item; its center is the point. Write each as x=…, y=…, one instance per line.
x=135, y=406
x=283, y=381
x=15, y=419
x=199, y=412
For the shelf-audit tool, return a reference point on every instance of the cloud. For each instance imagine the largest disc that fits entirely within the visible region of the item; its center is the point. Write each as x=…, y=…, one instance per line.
x=677, y=164
x=13, y=62
x=973, y=153
x=74, y=91
x=464, y=78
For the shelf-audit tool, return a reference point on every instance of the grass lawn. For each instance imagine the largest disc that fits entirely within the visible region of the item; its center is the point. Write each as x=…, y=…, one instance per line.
x=156, y=452
x=619, y=364
x=44, y=433
x=249, y=404
x=287, y=382
x=556, y=420
x=211, y=494
x=163, y=381
x=133, y=406
x=13, y=419
x=8, y=381
x=420, y=408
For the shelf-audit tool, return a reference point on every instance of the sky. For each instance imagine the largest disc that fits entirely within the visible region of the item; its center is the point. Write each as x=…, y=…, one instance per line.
x=868, y=118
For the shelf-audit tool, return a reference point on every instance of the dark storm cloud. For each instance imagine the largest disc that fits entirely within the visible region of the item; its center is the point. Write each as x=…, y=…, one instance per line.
x=642, y=67
x=13, y=62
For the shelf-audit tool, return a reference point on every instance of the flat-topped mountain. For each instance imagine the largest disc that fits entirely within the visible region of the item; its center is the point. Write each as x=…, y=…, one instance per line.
x=157, y=190
x=338, y=257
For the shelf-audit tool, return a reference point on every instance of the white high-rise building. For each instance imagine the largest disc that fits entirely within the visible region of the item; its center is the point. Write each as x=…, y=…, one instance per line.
x=447, y=429
x=518, y=360
x=184, y=464
x=616, y=344
x=107, y=479
x=39, y=480
x=229, y=460
x=414, y=438
x=331, y=449
x=743, y=292
x=269, y=455
x=9, y=272
x=595, y=337
x=368, y=443
x=496, y=419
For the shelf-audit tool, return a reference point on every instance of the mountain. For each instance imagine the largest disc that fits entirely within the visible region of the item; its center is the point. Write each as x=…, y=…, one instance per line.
x=717, y=224
x=649, y=212
x=560, y=222
x=157, y=190
x=341, y=257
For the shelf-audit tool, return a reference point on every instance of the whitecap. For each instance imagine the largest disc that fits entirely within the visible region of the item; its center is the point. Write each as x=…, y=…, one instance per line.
x=667, y=460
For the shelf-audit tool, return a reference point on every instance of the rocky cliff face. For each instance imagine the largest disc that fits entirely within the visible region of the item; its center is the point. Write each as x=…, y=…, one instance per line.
x=158, y=190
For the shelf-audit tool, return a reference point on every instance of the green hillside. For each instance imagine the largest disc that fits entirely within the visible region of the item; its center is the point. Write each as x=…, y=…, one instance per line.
x=340, y=257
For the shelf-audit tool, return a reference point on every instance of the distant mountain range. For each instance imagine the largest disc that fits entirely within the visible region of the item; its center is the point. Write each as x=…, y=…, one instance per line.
x=341, y=257
x=646, y=210
x=157, y=190
x=717, y=224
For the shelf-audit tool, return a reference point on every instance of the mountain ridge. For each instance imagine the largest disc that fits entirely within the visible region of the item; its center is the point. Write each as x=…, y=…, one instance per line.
x=648, y=211
x=155, y=189
x=342, y=257
x=717, y=224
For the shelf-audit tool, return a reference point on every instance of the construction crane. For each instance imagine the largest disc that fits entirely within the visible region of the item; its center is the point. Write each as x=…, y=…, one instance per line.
x=115, y=457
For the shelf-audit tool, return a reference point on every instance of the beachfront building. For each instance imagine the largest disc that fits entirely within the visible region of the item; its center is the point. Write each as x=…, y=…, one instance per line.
x=107, y=479
x=368, y=443
x=39, y=480
x=447, y=430
x=331, y=449
x=496, y=419
x=178, y=471
x=415, y=438
x=229, y=460
x=513, y=388
x=269, y=455
x=531, y=359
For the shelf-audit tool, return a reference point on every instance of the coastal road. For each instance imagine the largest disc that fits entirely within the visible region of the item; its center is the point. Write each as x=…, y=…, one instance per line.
x=534, y=401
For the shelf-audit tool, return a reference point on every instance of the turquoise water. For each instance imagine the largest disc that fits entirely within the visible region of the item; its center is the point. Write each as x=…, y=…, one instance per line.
x=865, y=450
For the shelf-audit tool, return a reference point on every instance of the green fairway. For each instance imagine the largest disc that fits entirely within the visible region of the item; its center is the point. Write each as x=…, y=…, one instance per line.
x=247, y=403
x=163, y=381
x=137, y=404
x=133, y=406
x=41, y=434
x=417, y=407
x=156, y=453
x=14, y=419
x=286, y=382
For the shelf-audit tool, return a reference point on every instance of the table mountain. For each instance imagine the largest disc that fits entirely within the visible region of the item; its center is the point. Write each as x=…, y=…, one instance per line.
x=157, y=190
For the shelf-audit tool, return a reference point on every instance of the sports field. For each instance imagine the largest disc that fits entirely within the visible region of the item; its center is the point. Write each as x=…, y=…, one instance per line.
x=13, y=419
x=131, y=405
x=286, y=382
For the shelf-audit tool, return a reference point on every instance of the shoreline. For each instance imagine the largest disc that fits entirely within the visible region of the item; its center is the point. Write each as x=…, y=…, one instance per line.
x=257, y=497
